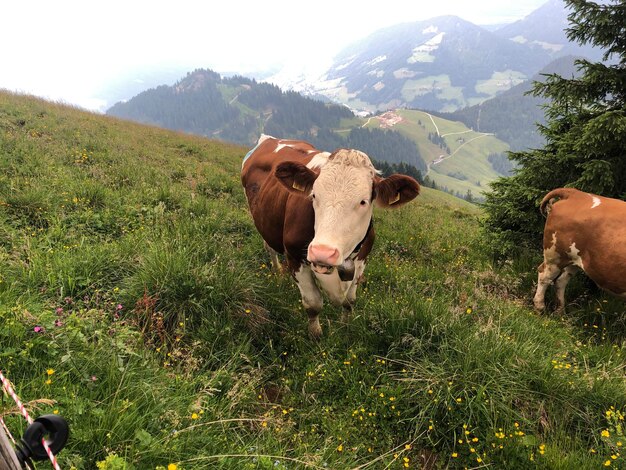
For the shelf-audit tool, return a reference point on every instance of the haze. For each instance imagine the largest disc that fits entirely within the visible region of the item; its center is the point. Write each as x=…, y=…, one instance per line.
x=71, y=51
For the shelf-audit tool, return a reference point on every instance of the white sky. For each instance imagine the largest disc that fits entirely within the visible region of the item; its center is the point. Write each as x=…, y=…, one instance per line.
x=67, y=50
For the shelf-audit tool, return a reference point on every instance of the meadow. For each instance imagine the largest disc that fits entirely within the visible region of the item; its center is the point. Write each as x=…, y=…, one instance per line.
x=136, y=301
x=466, y=167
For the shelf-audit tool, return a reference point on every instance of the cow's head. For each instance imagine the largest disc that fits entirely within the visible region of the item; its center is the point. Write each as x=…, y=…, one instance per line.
x=342, y=193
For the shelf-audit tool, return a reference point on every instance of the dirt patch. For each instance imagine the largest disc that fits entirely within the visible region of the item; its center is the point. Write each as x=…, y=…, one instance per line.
x=389, y=119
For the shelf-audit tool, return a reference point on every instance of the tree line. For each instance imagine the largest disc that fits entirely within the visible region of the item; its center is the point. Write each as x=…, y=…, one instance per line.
x=238, y=109
x=381, y=145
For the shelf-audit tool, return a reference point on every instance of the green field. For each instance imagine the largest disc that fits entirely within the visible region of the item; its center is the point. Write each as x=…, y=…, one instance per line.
x=466, y=168
x=500, y=81
x=137, y=302
x=440, y=85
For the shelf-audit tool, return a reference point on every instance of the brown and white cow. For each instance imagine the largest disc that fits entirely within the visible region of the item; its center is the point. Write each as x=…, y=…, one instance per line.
x=316, y=208
x=583, y=231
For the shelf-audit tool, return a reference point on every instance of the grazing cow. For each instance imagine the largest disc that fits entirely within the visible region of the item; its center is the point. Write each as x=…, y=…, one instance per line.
x=583, y=231
x=316, y=208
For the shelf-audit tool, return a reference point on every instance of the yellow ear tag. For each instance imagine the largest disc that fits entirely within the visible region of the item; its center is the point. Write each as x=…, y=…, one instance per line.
x=296, y=186
x=396, y=199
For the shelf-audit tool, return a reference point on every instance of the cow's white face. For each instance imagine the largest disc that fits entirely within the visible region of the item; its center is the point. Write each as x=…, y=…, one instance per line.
x=342, y=187
x=342, y=201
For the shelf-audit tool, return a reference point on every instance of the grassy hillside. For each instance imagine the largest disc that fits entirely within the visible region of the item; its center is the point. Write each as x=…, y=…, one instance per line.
x=466, y=167
x=237, y=110
x=136, y=297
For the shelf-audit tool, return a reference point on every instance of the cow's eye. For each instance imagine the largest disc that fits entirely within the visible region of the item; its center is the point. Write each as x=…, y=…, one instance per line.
x=312, y=196
x=363, y=202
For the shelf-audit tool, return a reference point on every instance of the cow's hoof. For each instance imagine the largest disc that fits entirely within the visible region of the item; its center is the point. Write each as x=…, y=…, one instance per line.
x=278, y=269
x=346, y=314
x=315, y=331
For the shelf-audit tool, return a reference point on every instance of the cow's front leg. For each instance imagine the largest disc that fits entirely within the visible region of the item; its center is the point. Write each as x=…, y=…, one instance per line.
x=277, y=267
x=351, y=288
x=335, y=288
x=337, y=291
x=359, y=269
x=311, y=298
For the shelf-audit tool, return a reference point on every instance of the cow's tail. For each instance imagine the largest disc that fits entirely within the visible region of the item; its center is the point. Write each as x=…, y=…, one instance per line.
x=548, y=199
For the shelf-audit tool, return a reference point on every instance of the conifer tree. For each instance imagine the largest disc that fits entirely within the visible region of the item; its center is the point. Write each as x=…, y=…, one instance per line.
x=585, y=132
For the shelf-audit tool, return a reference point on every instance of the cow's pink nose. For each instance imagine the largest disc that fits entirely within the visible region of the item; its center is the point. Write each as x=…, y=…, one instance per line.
x=323, y=254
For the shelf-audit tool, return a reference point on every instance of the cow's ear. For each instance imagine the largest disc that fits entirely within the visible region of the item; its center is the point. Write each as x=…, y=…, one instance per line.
x=395, y=190
x=297, y=178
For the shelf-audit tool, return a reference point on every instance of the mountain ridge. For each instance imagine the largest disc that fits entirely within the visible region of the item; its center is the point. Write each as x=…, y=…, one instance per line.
x=442, y=64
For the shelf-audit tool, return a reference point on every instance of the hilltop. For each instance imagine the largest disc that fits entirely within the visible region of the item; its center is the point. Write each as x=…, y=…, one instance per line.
x=459, y=160
x=240, y=109
x=136, y=301
x=514, y=115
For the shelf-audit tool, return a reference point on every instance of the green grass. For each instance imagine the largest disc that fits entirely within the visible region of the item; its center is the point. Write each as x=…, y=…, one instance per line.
x=163, y=337
x=466, y=167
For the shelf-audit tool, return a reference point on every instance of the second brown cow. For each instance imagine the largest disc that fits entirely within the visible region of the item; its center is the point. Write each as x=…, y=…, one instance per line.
x=583, y=232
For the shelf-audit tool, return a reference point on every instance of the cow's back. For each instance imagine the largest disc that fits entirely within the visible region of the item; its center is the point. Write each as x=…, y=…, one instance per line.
x=269, y=202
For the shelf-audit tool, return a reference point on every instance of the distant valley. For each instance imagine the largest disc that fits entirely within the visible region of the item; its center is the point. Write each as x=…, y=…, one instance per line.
x=448, y=154
x=472, y=81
